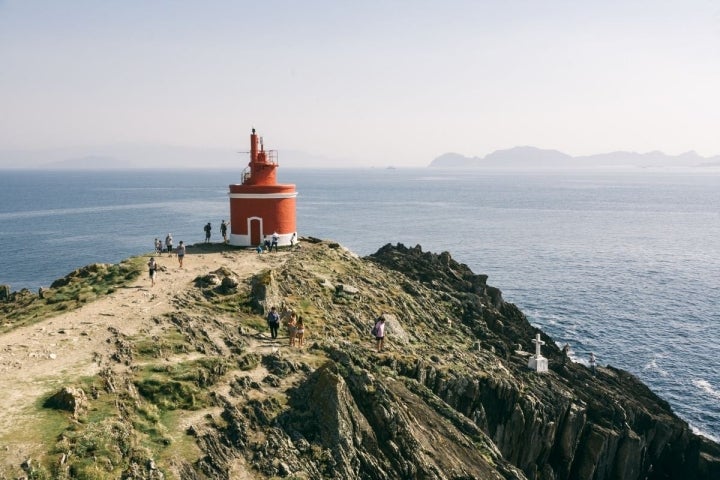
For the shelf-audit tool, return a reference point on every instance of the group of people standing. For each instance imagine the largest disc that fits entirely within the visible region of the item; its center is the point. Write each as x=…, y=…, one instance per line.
x=168, y=247
x=152, y=264
x=271, y=242
x=268, y=243
x=179, y=251
x=159, y=249
x=295, y=326
x=223, y=231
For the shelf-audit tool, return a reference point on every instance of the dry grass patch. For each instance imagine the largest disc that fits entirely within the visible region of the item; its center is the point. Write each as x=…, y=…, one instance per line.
x=80, y=287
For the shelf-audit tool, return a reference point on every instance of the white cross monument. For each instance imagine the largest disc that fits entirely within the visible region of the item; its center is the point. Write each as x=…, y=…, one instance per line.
x=537, y=362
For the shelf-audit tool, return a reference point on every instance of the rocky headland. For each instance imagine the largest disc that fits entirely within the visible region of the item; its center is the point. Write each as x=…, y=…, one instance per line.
x=103, y=376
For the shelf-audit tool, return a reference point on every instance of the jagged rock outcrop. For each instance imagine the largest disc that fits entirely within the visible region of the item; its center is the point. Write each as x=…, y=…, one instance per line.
x=80, y=273
x=568, y=424
x=70, y=399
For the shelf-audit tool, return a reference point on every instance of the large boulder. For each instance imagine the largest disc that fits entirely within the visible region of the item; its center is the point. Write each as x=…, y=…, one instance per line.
x=264, y=291
x=69, y=399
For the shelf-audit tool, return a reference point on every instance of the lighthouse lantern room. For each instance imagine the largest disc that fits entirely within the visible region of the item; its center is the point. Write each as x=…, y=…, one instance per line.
x=259, y=206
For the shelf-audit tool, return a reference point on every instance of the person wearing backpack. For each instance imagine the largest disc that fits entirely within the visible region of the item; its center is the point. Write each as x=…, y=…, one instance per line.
x=379, y=332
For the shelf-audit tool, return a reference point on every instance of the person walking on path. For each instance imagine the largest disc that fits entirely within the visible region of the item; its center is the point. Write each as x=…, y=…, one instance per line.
x=223, y=230
x=275, y=238
x=152, y=270
x=181, y=253
x=379, y=330
x=169, y=242
x=208, y=229
x=273, y=321
x=292, y=328
x=593, y=363
x=300, y=332
x=158, y=246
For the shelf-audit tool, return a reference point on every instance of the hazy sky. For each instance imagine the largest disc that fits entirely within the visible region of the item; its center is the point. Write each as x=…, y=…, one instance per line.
x=383, y=82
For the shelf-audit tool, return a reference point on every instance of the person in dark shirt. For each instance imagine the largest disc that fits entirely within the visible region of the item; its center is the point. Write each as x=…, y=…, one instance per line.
x=223, y=231
x=273, y=321
x=207, y=229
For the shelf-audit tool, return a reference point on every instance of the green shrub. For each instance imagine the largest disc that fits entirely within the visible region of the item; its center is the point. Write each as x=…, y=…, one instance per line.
x=171, y=394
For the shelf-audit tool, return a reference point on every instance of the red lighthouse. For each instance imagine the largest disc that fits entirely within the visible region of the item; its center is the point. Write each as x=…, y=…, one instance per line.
x=260, y=207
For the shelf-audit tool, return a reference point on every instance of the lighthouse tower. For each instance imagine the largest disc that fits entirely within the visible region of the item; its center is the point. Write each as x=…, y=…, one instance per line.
x=260, y=206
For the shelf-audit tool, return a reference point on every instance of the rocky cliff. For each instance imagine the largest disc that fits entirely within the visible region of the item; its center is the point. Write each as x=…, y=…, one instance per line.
x=202, y=391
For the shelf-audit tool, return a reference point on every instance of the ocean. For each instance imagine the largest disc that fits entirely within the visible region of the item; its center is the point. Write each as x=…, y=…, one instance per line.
x=625, y=265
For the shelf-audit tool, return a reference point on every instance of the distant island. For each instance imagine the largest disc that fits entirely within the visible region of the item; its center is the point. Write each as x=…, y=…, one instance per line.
x=527, y=157
x=150, y=156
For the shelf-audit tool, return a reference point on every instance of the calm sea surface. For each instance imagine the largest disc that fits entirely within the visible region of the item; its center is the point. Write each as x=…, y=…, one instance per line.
x=624, y=265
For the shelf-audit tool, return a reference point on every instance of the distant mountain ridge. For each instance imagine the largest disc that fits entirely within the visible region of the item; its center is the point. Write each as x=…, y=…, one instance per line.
x=527, y=157
x=139, y=156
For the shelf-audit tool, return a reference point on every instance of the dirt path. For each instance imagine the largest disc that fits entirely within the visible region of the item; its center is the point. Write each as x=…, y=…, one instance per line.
x=40, y=359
